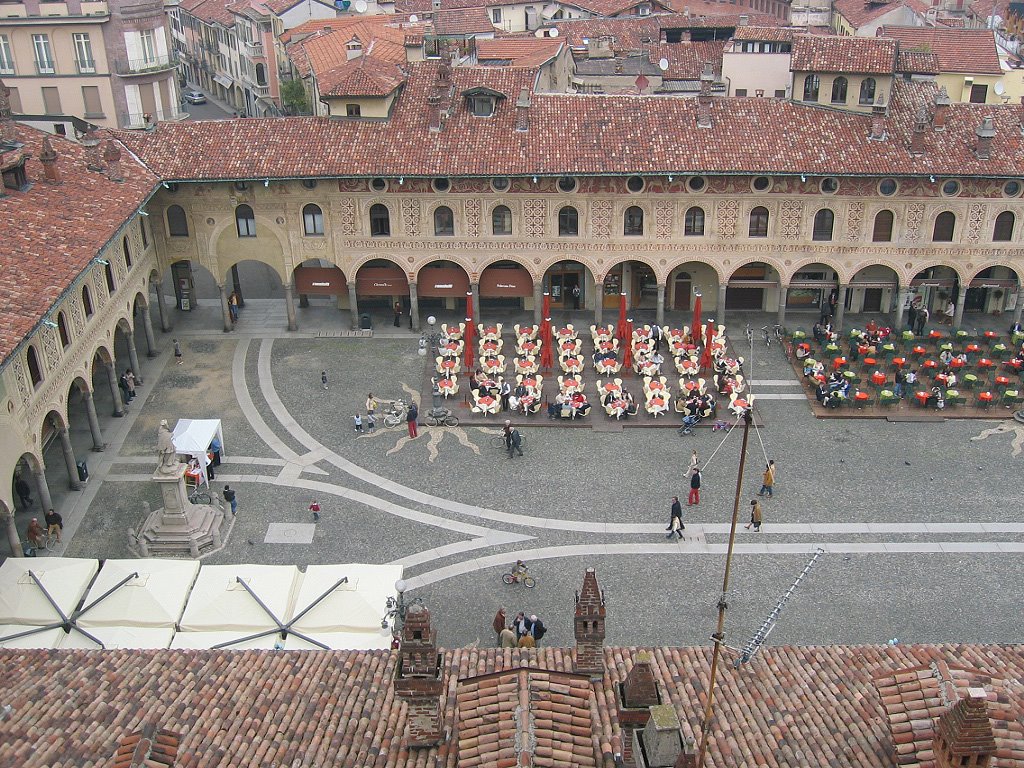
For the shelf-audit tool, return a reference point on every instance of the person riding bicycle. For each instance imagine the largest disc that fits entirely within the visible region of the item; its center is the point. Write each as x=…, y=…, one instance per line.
x=34, y=534
x=520, y=570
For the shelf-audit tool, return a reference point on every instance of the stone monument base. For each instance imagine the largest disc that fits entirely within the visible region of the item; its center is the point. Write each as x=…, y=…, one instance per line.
x=179, y=527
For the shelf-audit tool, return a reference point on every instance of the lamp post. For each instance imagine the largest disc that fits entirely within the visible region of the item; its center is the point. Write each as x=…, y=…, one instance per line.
x=397, y=607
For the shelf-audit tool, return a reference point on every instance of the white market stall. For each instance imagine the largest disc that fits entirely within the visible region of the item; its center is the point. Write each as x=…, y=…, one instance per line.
x=27, y=586
x=220, y=602
x=25, y=637
x=228, y=641
x=359, y=605
x=147, y=592
x=342, y=641
x=119, y=637
x=193, y=437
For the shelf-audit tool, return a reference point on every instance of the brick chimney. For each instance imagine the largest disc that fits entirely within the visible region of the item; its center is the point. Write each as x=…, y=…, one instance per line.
x=418, y=679
x=5, y=102
x=917, y=138
x=985, y=133
x=93, y=153
x=434, y=118
x=963, y=733
x=878, y=111
x=48, y=157
x=660, y=744
x=588, y=627
x=523, y=110
x=112, y=157
x=941, y=110
x=634, y=698
x=704, y=99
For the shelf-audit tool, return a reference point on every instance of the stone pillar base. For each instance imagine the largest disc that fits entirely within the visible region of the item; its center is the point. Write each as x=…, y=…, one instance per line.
x=180, y=527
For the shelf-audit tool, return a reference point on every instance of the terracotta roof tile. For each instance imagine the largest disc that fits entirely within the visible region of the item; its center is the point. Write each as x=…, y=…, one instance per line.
x=364, y=76
x=917, y=62
x=968, y=51
x=860, y=12
x=463, y=21
x=686, y=60
x=627, y=34
x=863, y=55
x=771, y=34
x=50, y=234
x=210, y=11
x=518, y=51
x=320, y=46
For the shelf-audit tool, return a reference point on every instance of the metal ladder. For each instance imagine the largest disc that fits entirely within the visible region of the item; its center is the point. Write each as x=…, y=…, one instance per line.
x=761, y=635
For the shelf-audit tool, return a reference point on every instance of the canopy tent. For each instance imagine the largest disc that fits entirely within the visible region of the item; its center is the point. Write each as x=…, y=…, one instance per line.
x=120, y=637
x=357, y=606
x=139, y=593
x=28, y=585
x=342, y=641
x=24, y=636
x=193, y=437
x=226, y=640
x=221, y=602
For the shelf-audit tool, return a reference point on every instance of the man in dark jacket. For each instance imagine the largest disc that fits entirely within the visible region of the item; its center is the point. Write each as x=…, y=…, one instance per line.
x=675, y=525
x=695, y=478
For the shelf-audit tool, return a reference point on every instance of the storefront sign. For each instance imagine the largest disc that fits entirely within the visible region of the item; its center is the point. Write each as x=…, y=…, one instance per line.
x=381, y=281
x=321, y=281
x=499, y=283
x=442, y=281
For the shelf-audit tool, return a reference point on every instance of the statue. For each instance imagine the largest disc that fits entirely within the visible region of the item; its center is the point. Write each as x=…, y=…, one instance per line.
x=166, y=452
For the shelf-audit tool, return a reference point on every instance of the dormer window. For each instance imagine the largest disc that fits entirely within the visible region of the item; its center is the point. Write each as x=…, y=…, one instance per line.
x=14, y=174
x=482, y=102
x=353, y=49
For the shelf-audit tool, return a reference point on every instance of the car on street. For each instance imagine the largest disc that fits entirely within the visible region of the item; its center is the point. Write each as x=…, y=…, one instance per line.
x=192, y=96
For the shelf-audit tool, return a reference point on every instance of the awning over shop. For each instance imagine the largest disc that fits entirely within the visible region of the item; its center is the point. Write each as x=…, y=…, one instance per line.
x=382, y=281
x=222, y=80
x=322, y=281
x=442, y=281
x=499, y=282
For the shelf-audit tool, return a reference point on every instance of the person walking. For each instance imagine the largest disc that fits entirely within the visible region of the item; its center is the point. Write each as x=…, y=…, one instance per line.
x=410, y=419
x=500, y=621
x=755, y=515
x=129, y=379
x=323, y=379
x=315, y=509
x=695, y=478
x=371, y=404
x=537, y=629
x=675, y=525
x=768, y=479
x=656, y=337
x=23, y=491
x=54, y=524
x=177, y=353
x=398, y=314
x=506, y=393
x=694, y=461
x=359, y=423
x=371, y=422
x=231, y=498
x=515, y=443
x=922, y=321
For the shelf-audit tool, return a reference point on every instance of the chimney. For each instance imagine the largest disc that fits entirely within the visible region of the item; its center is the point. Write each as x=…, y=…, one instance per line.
x=744, y=20
x=704, y=99
x=660, y=744
x=985, y=133
x=418, y=679
x=93, y=154
x=941, y=110
x=48, y=157
x=634, y=698
x=963, y=733
x=148, y=748
x=917, y=139
x=878, y=119
x=523, y=110
x=434, y=119
x=112, y=157
x=588, y=628
x=5, y=102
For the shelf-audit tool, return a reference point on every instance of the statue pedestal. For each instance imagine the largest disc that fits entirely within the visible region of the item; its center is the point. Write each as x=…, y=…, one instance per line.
x=180, y=527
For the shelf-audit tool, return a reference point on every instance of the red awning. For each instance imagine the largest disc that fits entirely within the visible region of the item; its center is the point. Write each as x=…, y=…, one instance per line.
x=500, y=282
x=326, y=281
x=442, y=281
x=381, y=281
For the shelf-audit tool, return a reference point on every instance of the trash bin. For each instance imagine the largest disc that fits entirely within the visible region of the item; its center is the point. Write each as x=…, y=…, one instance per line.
x=365, y=323
x=83, y=471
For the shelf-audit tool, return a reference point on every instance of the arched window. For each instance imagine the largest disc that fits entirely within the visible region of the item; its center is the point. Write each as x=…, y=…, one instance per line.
x=245, y=221
x=693, y=222
x=62, y=330
x=109, y=272
x=380, y=220
x=501, y=220
x=34, y=371
x=867, y=90
x=142, y=231
x=882, y=232
x=824, y=221
x=633, y=221
x=87, y=301
x=444, y=222
x=812, y=84
x=839, y=90
x=177, y=223
x=568, y=221
x=758, y=222
x=312, y=220
x=1003, y=231
x=945, y=223
x=127, y=253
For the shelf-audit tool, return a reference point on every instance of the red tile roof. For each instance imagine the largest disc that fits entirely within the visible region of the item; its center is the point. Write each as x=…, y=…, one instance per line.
x=790, y=707
x=463, y=21
x=686, y=60
x=614, y=7
x=966, y=51
x=860, y=12
x=917, y=62
x=518, y=51
x=209, y=11
x=51, y=233
x=770, y=34
x=582, y=134
x=862, y=55
x=627, y=34
x=320, y=46
x=364, y=76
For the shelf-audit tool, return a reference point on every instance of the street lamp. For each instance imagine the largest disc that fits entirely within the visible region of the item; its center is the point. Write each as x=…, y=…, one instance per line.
x=397, y=607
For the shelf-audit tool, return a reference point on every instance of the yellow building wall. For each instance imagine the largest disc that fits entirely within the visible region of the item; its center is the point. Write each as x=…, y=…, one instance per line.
x=958, y=86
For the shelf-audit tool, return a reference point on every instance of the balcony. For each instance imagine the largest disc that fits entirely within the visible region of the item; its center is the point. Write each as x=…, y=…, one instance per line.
x=145, y=66
x=253, y=50
x=85, y=66
x=260, y=91
x=140, y=120
x=45, y=67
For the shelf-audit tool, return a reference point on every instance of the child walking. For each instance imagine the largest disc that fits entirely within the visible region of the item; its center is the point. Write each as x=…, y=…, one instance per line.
x=315, y=509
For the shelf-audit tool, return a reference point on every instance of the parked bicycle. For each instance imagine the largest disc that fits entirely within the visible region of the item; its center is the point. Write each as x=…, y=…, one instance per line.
x=441, y=417
x=394, y=413
x=199, y=496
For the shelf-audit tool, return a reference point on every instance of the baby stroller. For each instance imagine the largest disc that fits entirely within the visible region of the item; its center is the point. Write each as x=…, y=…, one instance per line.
x=689, y=422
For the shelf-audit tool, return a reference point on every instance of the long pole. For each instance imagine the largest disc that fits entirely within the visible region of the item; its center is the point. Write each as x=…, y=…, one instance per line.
x=719, y=636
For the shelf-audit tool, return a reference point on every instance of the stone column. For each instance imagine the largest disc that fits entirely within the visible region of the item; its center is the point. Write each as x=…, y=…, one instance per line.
x=538, y=303
x=161, y=309
x=69, y=459
x=147, y=327
x=94, y=422
x=353, y=304
x=660, y=316
x=289, y=307
x=899, y=309
x=115, y=392
x=414, y=306
x=225, y=310
x=720, y=309
x=475, y=290
x=12, y=536
x=598, y=301
x=780, y=317
x=44, y=489
x=840, y=308
x=133, y=356
x=236, y=285
x=1019, y=307
x=958, y=314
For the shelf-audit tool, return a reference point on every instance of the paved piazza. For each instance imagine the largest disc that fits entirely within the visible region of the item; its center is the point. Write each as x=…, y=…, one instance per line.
x=920, y=523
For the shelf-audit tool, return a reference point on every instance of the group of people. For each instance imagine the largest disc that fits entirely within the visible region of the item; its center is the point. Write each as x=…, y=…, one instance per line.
x=513, y=440
x=676, y=526
x=127, y=385
x=575, y=402
x=54, y=527
x=522, y=632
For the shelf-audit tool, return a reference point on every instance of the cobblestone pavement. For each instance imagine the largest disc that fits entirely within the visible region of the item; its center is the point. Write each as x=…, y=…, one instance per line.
x=920, y=523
